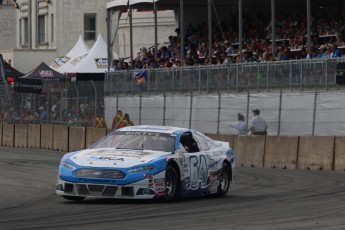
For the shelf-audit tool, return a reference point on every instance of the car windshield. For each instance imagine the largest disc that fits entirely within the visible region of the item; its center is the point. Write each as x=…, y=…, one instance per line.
x=138, y=140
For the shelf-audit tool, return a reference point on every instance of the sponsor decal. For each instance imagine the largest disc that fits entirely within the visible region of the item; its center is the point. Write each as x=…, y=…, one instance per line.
x=23, y=85
x=46, y=73
x=137, y=133
x=160, y=189
x=161, y=180
x=78, y=59
x=99, y=158
x=161, y=193
x=60, y=61
x=97, y=173
x=101, y=63
x=96, y=180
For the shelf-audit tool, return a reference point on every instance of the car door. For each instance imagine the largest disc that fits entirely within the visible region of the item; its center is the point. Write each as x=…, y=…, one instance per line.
x=196, y=161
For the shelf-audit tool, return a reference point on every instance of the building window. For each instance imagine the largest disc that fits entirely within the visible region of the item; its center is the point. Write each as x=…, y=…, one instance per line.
x=52, y=27
x=41, y=29
x=24, y=38
x=90, y=26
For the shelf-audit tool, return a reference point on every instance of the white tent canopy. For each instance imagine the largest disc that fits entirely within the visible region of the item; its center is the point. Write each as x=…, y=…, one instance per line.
x=119, y=3
x=79, y=50
x=96, y=61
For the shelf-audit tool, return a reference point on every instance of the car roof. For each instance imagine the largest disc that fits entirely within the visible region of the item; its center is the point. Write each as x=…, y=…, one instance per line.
x=155, y=128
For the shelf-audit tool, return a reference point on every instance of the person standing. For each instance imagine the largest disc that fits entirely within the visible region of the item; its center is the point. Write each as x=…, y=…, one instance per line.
x=257, y=125
x=118, y=120
x=240, y=125
x=128, y=120
x=99, y=121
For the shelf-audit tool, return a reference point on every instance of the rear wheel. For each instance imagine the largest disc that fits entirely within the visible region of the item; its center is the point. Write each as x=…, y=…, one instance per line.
x=224, y=179
x=74, y=198
x=172, y=184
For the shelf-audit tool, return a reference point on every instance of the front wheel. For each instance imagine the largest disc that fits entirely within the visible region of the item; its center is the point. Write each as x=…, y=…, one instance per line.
x=171, y=184
x=224, y=179
x=74, y=198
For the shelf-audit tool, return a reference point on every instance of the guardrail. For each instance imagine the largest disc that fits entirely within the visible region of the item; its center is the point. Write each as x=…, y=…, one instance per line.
x=283, y=152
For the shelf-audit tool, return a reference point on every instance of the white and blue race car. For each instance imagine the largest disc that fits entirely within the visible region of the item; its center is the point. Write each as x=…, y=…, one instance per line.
x=145, y=162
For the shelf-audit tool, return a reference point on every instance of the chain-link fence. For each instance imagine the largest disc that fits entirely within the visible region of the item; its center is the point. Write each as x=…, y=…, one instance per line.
x=141, y=92
x=61, y=102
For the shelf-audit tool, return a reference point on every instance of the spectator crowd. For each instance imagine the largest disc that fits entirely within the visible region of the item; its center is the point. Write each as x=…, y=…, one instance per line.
x=327, y=33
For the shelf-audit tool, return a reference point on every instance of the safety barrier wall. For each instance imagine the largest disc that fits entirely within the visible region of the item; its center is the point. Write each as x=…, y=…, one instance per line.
x=47, y=137
x=283, y=152
x=60, y=138
x=76, y=139
x=20, y=136
x=1, y=134
x=8, y=135
x=34, y=136
x=93, y=135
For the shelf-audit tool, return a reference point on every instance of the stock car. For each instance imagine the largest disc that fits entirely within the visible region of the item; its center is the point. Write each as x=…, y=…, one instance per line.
x=146, y=162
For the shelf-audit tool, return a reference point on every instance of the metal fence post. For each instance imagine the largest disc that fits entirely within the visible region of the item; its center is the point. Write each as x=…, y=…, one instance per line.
x=219, y=108
x=314, y=112
x=94, y=88
x=77, y=91
x=164, y=108
x=280, y=110
x=190, y=110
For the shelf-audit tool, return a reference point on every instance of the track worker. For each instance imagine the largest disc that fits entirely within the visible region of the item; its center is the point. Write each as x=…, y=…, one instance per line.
x=100, y=122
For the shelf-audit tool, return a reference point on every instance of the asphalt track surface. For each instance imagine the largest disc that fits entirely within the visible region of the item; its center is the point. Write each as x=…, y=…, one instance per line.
x=262, y=199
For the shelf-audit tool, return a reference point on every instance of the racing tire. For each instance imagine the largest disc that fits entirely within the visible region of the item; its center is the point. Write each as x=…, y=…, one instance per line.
x=224, y=180
x=74, y=198
x=172, y=184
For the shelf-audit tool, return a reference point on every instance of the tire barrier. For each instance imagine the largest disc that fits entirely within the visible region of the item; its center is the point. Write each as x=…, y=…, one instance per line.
x=283, y=152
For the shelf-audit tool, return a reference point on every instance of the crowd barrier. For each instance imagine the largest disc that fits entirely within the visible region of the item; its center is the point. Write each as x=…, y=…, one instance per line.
x=283, y=152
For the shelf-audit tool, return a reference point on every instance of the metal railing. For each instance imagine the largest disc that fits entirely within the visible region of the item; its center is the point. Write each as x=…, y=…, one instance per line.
x=294, y=75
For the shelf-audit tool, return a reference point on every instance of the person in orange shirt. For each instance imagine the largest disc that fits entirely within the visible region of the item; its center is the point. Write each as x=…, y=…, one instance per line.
x=118, y=120
x=100, y=122
x=128, y=120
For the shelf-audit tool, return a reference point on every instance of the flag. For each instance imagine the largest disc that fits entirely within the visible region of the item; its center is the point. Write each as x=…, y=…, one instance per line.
x=140, y=77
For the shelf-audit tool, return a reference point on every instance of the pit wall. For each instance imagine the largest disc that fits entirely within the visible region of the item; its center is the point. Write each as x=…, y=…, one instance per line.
x=282, y=152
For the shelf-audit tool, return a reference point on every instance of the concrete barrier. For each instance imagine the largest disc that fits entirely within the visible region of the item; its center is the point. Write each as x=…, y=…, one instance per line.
x=316, y=153
x=8, y=135
x=76, y=139
x=249, y=151
x=339, y=155
x=34, y=136
x=281, y=152
x=94, y=134
x=21, y=135
x=60, y=138
x=47, y=137
x=222, y=137
x=0, y=134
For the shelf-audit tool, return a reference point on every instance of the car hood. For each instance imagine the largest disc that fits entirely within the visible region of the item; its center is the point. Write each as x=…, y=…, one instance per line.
x=120, y=158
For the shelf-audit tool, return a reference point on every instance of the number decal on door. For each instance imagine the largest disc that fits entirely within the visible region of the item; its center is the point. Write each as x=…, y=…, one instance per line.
x=198, y=172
